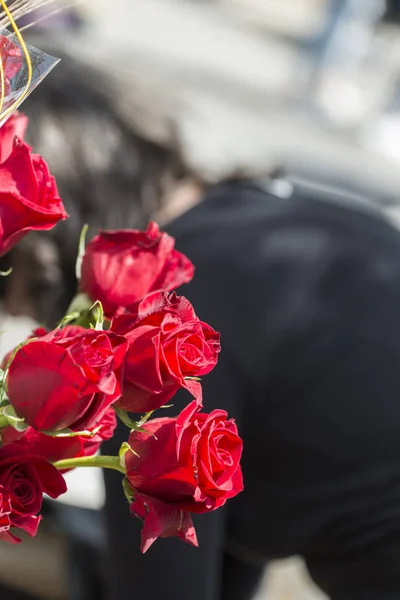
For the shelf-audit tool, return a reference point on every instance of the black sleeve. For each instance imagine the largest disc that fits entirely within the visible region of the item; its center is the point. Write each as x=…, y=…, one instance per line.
x=372, y=574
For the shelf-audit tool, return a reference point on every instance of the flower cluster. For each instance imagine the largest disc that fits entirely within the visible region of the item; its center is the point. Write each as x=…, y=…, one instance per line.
x=126, y=346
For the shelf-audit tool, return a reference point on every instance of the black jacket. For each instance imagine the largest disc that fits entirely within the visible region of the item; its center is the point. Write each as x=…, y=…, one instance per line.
x=305, y=291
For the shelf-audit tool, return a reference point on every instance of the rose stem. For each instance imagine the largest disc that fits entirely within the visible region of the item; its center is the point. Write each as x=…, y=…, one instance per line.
x=104, y=462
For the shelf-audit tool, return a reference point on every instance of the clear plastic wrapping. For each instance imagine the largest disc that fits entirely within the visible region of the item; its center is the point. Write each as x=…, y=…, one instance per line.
x=22, y=68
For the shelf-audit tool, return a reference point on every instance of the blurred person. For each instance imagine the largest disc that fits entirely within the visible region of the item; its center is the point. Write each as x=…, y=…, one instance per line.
x=304, y=288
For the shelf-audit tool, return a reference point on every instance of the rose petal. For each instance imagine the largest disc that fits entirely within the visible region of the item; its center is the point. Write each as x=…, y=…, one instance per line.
x=162, y=520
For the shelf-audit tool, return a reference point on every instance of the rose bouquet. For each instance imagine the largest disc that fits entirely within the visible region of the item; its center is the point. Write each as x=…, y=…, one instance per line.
x=127, y=344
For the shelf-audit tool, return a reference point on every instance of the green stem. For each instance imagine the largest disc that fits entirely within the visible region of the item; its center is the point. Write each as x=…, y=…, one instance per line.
x=104, y=462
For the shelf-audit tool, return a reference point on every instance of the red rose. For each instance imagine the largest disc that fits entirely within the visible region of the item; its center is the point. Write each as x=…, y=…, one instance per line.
x=15, y=126
x=67, y=379
x=24, y=478
x=61, y=448
x=180, y=465
x=28, y=196
x=121, y=267
x=167, y=344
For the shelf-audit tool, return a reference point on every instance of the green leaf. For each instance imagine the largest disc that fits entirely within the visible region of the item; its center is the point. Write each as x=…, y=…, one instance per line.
x=5, y=273
x=97, y=310
x=12, y=418
x=68, y=319
x=81, y=252
x=125, y=418
x=81, y=303
x=145, y=418
x=128, y=490
x=123, y=450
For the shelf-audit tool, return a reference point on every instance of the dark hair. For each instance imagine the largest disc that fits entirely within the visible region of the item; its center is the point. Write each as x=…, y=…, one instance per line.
x=108, y=176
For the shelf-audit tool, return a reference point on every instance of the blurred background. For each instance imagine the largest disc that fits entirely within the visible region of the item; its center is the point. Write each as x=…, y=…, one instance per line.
x=232, y=87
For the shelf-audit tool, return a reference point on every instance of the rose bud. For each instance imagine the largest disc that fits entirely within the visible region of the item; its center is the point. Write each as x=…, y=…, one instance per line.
x=119, y=268
x=67, y=378
x=167, y=345
x=28, y=196
x=24, y=478
x=188, y=464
